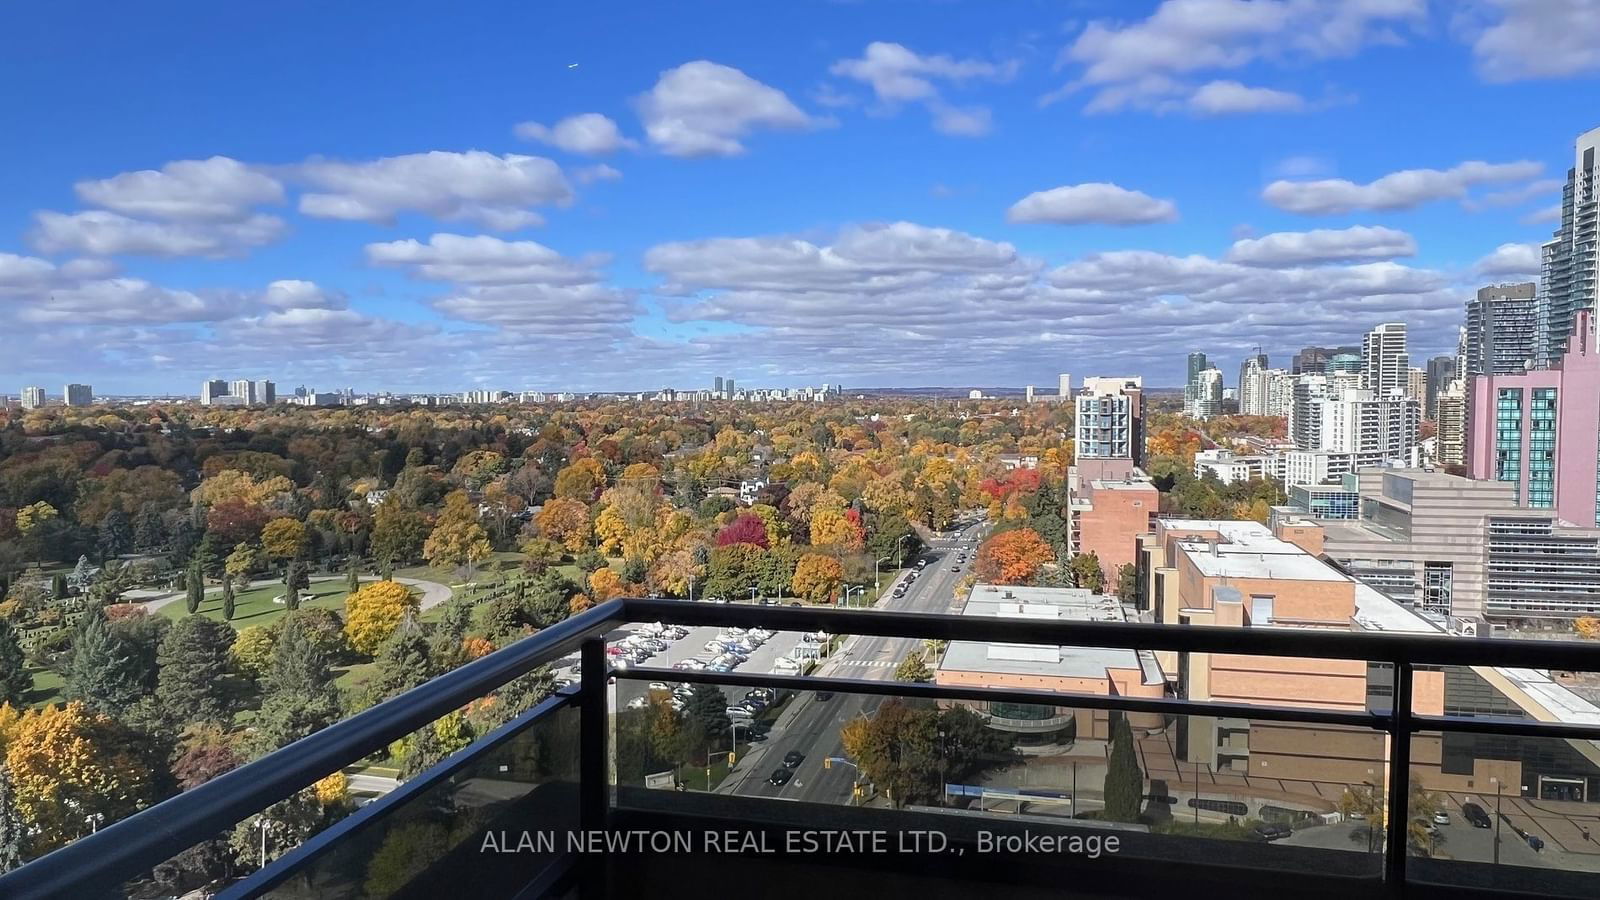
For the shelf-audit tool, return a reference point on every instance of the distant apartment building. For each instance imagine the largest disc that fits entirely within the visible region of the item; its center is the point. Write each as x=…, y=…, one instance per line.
x=1229, y=467
x=1417, y=384
x=1441, y=372
x=77, y=395
x=1569, y=281
x=1502, y=329
x=1540, y=430
x=1207, y=394
x=211, y=390
x=1109, y=429
x=1364, y=422
x=1191, y=382
x=1264, y=391
x=1450, y=418
x=1305, y=410
x=1464, y=548
x=1346, y=363
x=33, y=398
x=1385, y=363
x=1250, y=368
x=1064, y=387
x=1314, y=360
x=266, y=392
x=245, y=390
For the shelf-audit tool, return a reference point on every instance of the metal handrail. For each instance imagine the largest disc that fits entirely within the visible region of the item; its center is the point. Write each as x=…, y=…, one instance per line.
x=99, y=864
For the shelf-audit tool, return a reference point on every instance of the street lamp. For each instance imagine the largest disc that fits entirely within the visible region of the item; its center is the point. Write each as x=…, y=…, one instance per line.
x=752, y=593
x=262, y=822
x=877, y=582
x=691, y=588
x=944, y=787
x=858, y=589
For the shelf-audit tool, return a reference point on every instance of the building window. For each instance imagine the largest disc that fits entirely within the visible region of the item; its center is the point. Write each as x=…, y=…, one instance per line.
x=1542, y=448
x=1437, y=580
x=1508, y=438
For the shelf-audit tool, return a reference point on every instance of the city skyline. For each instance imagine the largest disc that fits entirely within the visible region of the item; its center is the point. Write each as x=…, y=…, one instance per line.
x=596, y=227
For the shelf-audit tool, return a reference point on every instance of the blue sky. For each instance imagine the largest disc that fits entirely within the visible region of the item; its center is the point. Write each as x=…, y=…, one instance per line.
x=875, y=193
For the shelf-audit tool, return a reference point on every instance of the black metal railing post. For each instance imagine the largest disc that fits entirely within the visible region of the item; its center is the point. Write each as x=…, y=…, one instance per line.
x=594, y=788
x=1398, y=815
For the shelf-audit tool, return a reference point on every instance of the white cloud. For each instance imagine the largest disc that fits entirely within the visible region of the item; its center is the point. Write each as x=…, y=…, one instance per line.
x=20, y=273
x=101, y=233
x=1092, y=203
x=122, y=301
x=596, y=172
x=296, y=294
x=1525, y=39
x=1398, y=190
x=589, y=133
x=218, y=189
x=899, y=75
x=1148, y=64
x=1295, y=248
x=1223, y=98
x=495, y=191
x=483, y=259
x=703, y=109
x=1542, y=187
x=1510, y=259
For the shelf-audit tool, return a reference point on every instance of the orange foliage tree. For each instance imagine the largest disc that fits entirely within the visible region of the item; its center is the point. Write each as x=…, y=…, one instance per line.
x=1012, y=557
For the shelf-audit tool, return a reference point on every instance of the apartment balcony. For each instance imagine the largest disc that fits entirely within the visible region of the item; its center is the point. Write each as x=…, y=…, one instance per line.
x=560, y=802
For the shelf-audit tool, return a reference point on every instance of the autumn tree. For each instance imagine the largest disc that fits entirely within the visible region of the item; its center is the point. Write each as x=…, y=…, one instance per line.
x=457, y=539
x=69, y=763
x=1013, y=557
x=373, y=613
x=566, y=522
x=817, y=577
x=242, y=561
x=746, y=529
x=580, y=480
x=837, y=528
x=13, y=831
x=539, y=554
x=913, y=668
x=284, y=538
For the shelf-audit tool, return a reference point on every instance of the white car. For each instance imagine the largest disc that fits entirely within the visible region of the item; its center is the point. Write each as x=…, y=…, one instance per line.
x=638, y=703
x=660, y=686
x=738, y=712
x=786, y=662
x=713, y=646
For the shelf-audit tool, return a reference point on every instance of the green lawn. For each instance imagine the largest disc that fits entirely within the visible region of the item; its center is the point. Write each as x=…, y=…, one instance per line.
x=47, y=685
x=255, y=606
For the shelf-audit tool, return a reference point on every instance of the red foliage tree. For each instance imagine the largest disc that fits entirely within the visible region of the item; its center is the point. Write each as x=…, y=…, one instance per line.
x=235, y=521
x=747, y=529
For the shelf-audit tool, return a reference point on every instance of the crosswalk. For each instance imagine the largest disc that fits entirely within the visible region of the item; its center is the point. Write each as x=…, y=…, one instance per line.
x=864, y=663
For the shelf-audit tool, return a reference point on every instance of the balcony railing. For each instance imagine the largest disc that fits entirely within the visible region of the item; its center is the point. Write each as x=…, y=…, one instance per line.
x=556, y=769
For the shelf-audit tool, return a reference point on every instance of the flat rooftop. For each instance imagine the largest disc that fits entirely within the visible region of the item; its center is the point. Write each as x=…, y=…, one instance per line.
x=1045, y=604
x=1127, y=484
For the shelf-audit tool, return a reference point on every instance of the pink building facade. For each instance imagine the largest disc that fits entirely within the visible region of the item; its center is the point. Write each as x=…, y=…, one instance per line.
x=1541, y=430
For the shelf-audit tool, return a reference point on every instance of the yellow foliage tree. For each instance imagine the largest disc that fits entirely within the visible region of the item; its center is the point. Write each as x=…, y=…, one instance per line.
x=566, y=522
x=610, y=530
x=68, y=763
x=580, y=480
x=604, y=584
x=234, y=484
x=333, y=791
x=457, y=538
x=816, y=577
x=1587, y=626
x=373, y=613
x=30, y=517
x=832, y=528
x=284, y=538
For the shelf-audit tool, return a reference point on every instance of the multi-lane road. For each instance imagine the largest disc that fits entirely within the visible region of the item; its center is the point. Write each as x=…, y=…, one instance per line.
x=812, y=722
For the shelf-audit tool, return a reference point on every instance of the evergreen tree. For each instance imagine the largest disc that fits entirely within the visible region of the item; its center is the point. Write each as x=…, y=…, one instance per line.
x=208, y=555
x=15, y=682
x=58, y=586
x=353, y=582
x=116, y=535
x=386, y=569
x=148, y=532
x=548, y=598
x=1124, y=786
x=708, y=706
x=291, y=591
x=194, y=659
x=196, y=587
x=456, y=619
x=300, y=695
x=913, y=668
x=227, y=599
x=103, y=671
x=12, y=829
x=80, y=577
x=185, y=541
x=403, y=663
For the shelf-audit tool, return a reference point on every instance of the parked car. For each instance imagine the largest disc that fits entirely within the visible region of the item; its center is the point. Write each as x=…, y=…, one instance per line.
x=1441, y=818
x=793, y=759
x=638, y=703
x=738, y=712
x=1272, y=831
x=780, y=777
x=660, y=686
x=824, y=695
x=1476, y=815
